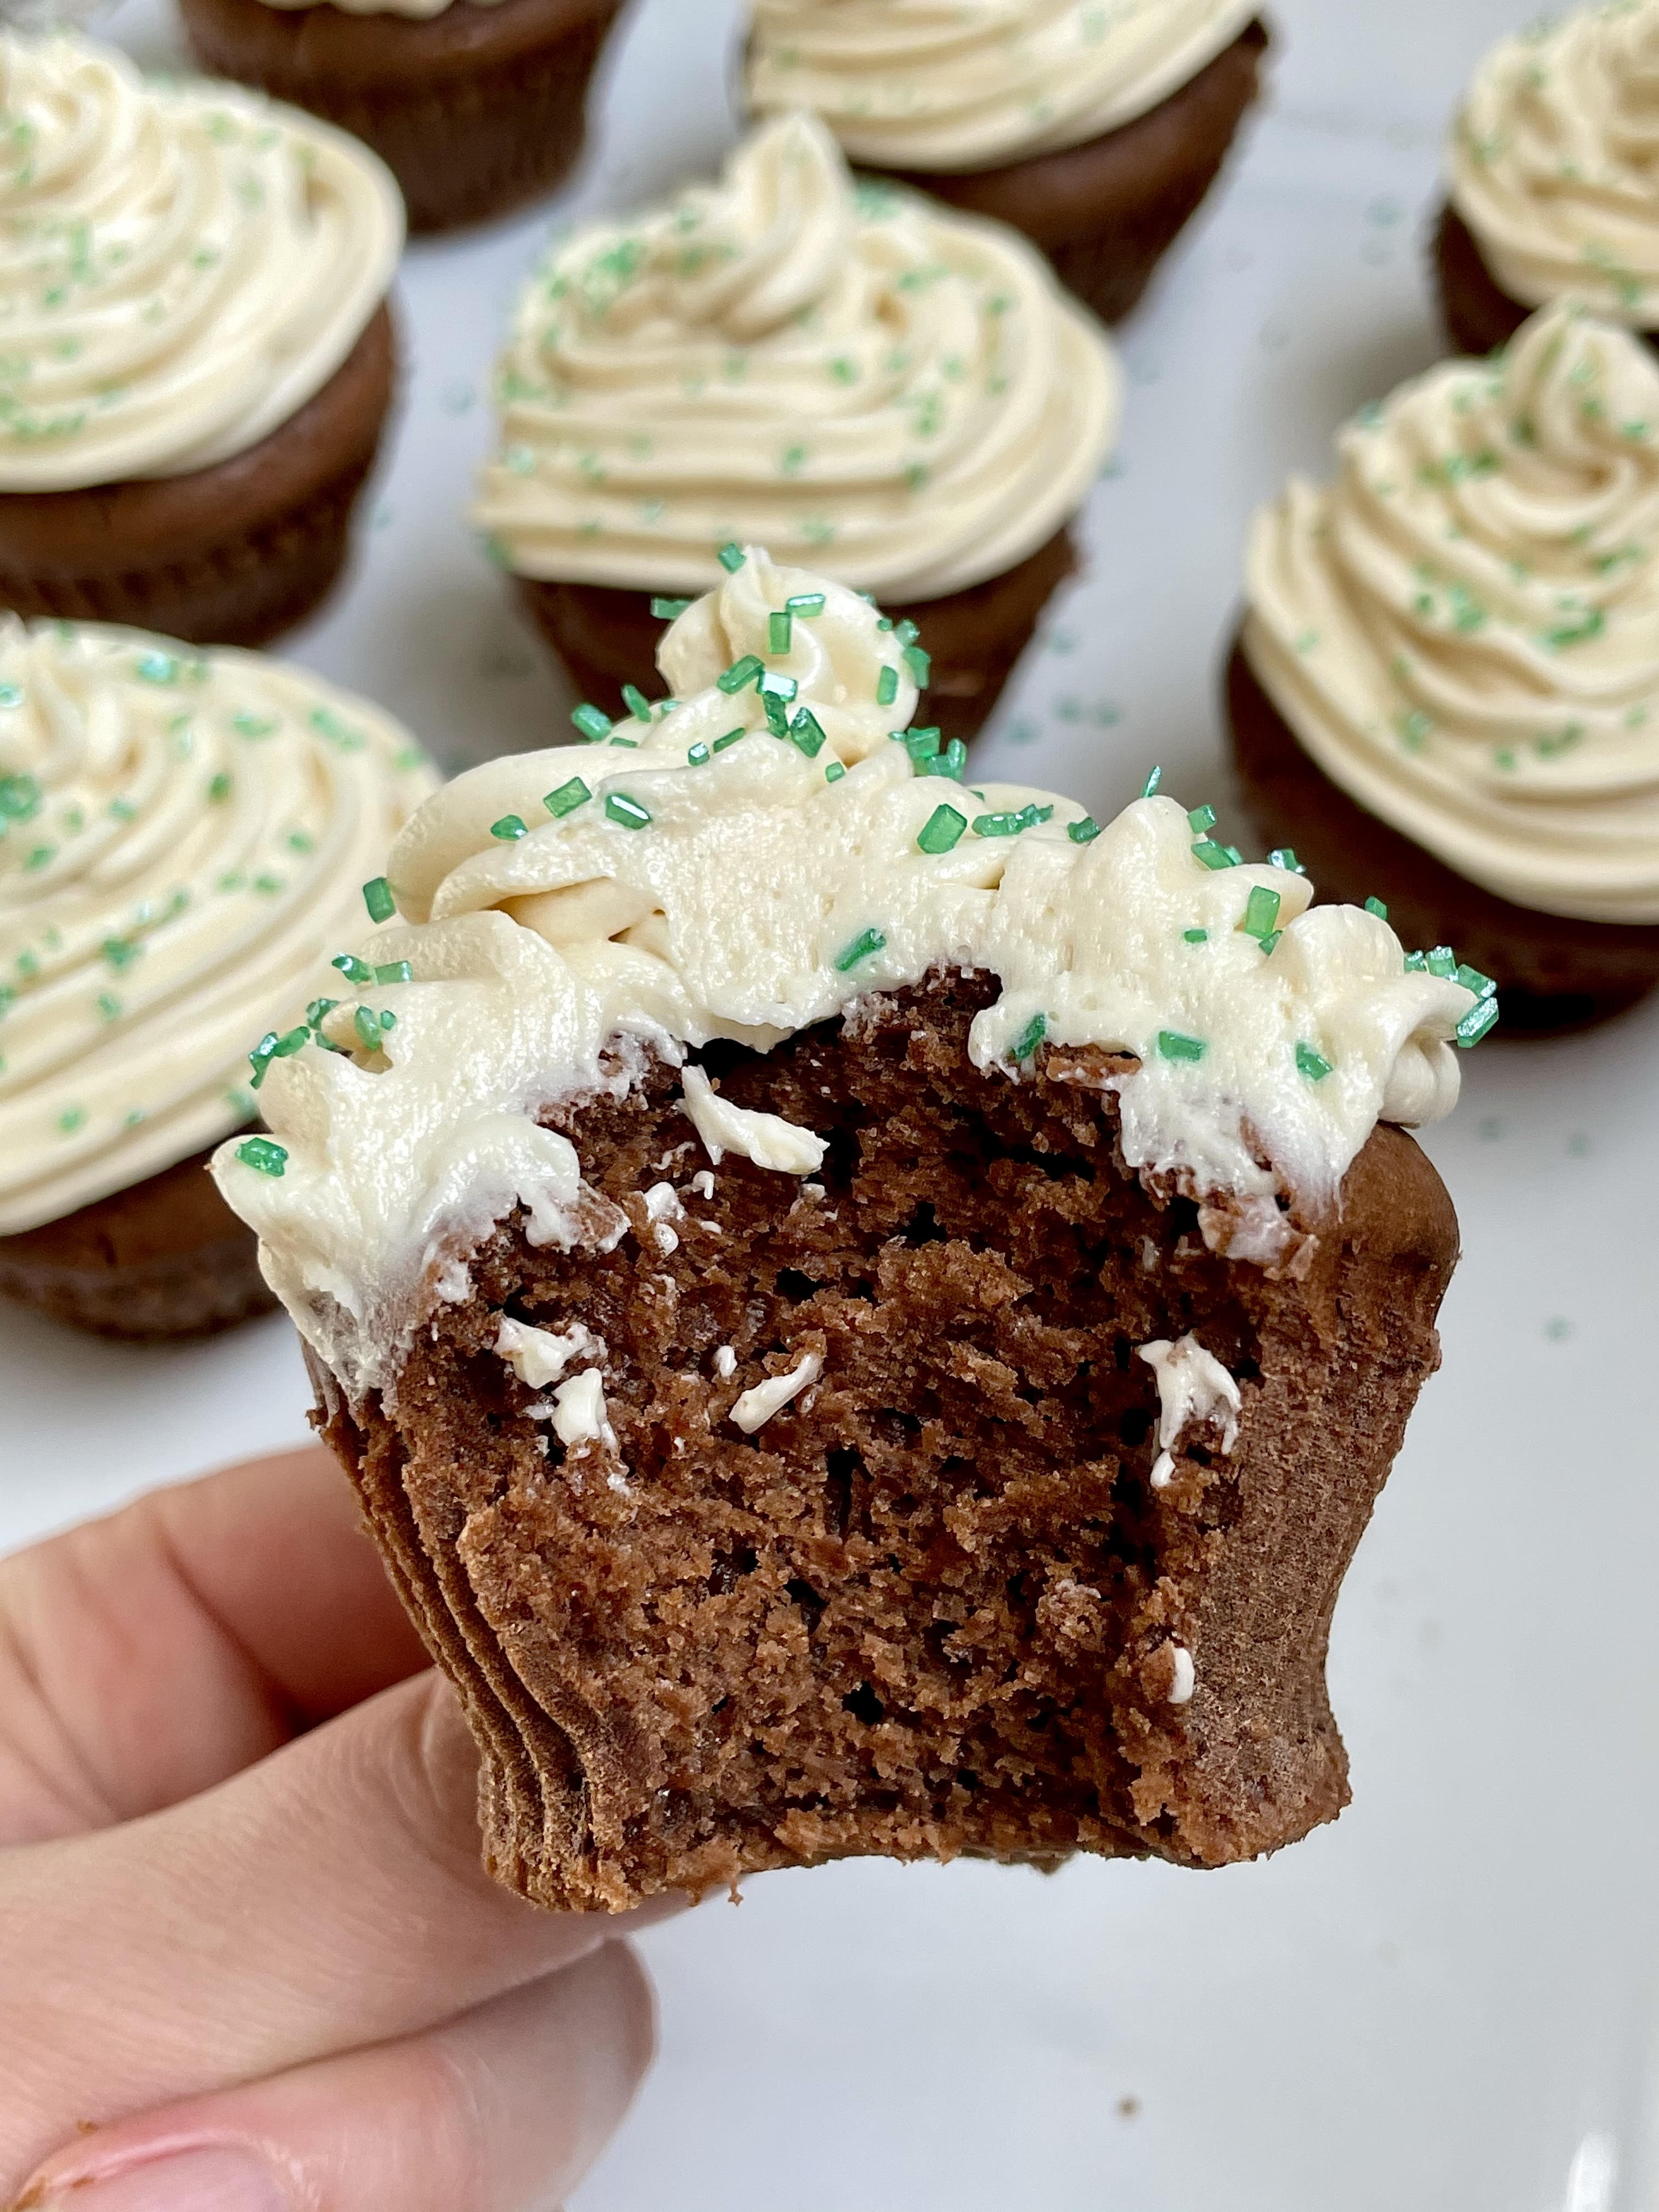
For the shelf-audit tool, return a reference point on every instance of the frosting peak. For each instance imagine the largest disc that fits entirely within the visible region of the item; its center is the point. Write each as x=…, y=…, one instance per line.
x=1462, y=629
x=900, y=393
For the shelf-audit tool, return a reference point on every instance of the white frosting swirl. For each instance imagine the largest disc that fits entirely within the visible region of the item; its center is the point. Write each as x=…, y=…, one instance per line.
x=184, y=836
x=1462, y=630
x=971, y=84
x=1555, y=162
x=182, y=266
x=786, y=357
x=760, y=890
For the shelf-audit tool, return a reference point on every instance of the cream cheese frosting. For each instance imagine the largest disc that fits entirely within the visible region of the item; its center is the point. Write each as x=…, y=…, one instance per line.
x=972, y=84
x=1462, y=629
x=852, y=374
x=183, y=837
x=1555, y=162
x=564, y=912
x=182, y=266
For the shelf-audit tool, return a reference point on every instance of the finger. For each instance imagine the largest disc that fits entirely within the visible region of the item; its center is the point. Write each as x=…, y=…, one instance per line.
x=145, y=1657
x=329, y=1897
x=501, y=2111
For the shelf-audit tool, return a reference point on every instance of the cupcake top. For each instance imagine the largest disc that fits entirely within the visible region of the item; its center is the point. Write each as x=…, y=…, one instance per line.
x=1555, y=162
x=911, y=84
x=182, y=266
x=1462, y=629
x=790, y=357
x=696, y=875
x=183, y=837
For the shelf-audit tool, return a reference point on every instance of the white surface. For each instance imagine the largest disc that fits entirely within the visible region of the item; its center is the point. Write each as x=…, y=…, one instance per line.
x=1446, y=2002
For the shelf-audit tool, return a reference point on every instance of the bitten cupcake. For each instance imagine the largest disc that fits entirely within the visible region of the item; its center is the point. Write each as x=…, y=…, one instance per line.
x=475, y=105
x=197, y=357
x=1096, y=131
x=1446, y=692
x=1555, y=177
x=852, y=375
x=183, y=838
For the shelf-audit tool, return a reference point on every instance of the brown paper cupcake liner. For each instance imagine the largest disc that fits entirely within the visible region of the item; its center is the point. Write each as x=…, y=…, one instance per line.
x=1554, y=973
x=973, y=637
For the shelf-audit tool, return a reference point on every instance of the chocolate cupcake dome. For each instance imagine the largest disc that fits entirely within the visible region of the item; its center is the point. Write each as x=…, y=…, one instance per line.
x=197, y=362
x=866, y=1316
x=183, y=838
x=1097, y=131
x=1553, y=190
x=1446, y=692
x=850, y=374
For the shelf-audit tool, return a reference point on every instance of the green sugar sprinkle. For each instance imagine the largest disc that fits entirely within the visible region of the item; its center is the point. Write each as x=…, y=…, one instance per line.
x=867, y=941
x=887, y=686
x=1442, y=962
x=290, y=1042
x=19, y=796
x=1473, y=980
x=920, y=665
x=354, y=969
x=921, y=745
x=950, y=763
x=804, y=602
x=731, y=558
x=1475, y=1023
x=109, y=1006
x=835, y=772
x=1196, y=936
x=1201, y=820
x=1270, y=940
x=394, y=971
x=1172, y=1045
x=906, y=631
x=774, y=685
x=696, y=755
x=883, y=622
x=367, y=1023
x=621, y=808
x=1085, y=831
x=1149, y=789
x=740, y=672
x=669, y=610
x=776, y=719
x=627, y=744
x=730, y=738
x=807, y=731
x=120, y=953
x=157, y=668
x=1312, y=1064
x=942, y=830
x=218, y=787
x=510, y=828
x=1376, y=906
x=260, y=1154
x=71, y=1119
x=1417, y=964
x=377, y=897
x=1216, y=856
x=1260, y=917
x=1010, y=825
x=1030, y=1036
x=591, y=722
x=318, y=1010
x=636, y=702
x=1283, y=857
x=780, y=631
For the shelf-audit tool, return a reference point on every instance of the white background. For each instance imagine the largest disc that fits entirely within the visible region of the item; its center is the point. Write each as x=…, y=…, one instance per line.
x=1445, y=2003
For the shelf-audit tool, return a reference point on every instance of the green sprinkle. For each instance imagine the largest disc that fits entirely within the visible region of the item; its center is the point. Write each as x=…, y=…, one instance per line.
x=262, y=1156
x=867, y=942
x=696, y=755
x=669, y=610
x=251, y=726
x=120, y=953
x=806, y=731
x=1313, y=1065
x=950, y=763
x=1030, y=1036
x=354, y=969
x=636, y=702
x=835, y=772
x=260, y=1058
x=318, y=1010
x=920, y=665
x=921, y=745
x=1261, y=913
x=1282, y=856
x=158, y=668
x=394, y=971
x=887, y=686
x=1417, y=964
x=942, y=830
x=218, y=787
x=1149, y=789
x=1196, y=936
x=366, y=1023
x=740, y=672
x=1376, y=906
x=774, y=685
x=730, y=738
x=731, y=558
x=1442, y=962
x=1214, y=855
x=1174, y=1046
x=510, y=828
x=1473, y=980
x=109, y=1006
x=779, y=632
x=804, y=602
x=377, y=897
x=1270, y=940
x=291, y=1042
x=627, y=744
x=592, y=722
x=621, y=808
x=997, y=825
x=1201, y=820
x=1085, y=831
x=388, y=1019
x=1475, y=1023
x=19, y=796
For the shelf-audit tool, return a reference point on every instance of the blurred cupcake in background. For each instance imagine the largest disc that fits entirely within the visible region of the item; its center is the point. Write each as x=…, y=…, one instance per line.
x=1446, y=692
x=1555, y=177
x=184, y=839
x=198, y=360
x=1096, y=130
x=475, y=105
x=897, y=394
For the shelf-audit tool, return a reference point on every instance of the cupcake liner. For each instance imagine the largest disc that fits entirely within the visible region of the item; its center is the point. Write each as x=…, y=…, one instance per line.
x=1554, y=973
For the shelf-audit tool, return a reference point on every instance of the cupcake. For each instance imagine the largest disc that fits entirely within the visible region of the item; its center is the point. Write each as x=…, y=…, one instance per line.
x=475, y=105
x=184, y=837
x=1446, y=691
x=198, y=359
x=1096, y=130
x=867, y=1314
x=1554, y=189
x=848, y=373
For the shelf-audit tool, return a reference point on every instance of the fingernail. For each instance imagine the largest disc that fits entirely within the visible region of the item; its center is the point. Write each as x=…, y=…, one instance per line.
x=217, y=2180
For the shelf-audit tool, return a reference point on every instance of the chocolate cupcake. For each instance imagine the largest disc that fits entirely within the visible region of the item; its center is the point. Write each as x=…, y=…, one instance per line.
x=475, y=105
x=852, y=375
x=198, y=360
x=1096, y=130
x=184, y=837
x=1446, y=691
x=1554, y=191
x=866, y=1316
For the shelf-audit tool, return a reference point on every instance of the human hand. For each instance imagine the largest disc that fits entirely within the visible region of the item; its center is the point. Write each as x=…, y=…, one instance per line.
x=249, y=1961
